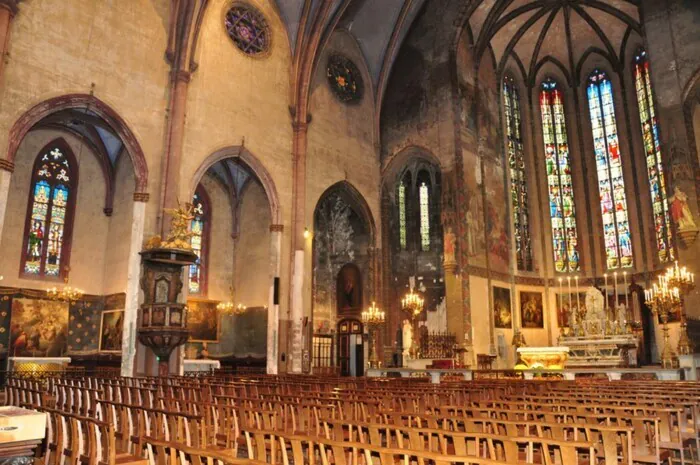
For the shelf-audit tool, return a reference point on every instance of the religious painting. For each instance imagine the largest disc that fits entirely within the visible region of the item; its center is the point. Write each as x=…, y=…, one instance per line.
x=111, y=329
x=203, y=320
x=475, y=239
x=502, y=314
x=531, y=309
x=349, y=291
x=39, y=328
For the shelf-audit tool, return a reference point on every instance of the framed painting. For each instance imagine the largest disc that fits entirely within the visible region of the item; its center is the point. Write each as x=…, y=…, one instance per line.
x=531, y=309
x=502, y=312
x=38, y=328
x=203, y=320
x=111, y=329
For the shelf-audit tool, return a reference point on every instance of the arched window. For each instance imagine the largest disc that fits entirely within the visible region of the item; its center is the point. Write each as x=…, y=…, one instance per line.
x=424, y=210
x=401, y=200
x=652, y=148
x=49, y=224
x=200, y=241
x=561, y=193
x=518, y=186
x=611, y=183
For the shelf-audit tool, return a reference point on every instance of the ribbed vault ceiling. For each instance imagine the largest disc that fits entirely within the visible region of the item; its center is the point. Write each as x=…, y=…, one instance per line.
x=562, y=31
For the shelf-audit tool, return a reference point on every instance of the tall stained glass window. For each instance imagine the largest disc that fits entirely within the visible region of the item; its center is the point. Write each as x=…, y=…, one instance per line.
x=518, y=185
x=611, y=184
x=424, y=198
x=199, y=226
x=561, y=193
x=50, y=212
x=652, y=150
x=402, y=214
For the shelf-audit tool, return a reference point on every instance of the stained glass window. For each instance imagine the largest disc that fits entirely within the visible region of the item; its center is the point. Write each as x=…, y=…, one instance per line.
x=561, y=192
x=344, y=78
x=424, y=198
x=611, y=184
x=518, y=185
x=248, y=29
x=402, y=215
x=652, y=150
x=199, y=226
x=50, y=216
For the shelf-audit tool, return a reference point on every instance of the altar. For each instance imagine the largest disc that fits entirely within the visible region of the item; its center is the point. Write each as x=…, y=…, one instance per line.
x=37, y=364
x=200, y=365
x=598, y=336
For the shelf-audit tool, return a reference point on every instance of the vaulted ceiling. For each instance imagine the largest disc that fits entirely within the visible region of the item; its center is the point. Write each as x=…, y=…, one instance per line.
x=373, y=23
x=560, y=31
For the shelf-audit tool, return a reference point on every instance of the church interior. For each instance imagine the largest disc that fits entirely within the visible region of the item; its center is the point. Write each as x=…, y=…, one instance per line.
x=349, y=231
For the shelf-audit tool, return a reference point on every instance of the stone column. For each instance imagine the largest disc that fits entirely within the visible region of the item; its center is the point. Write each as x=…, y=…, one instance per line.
x=130, y=346
x=6, y=169
x=176, y=133
x=273, y=308
x=299, y=145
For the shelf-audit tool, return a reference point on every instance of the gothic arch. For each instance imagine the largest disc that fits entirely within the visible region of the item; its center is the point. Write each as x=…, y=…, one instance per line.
x=357, y=200
x=250, y=161
x=77, y=101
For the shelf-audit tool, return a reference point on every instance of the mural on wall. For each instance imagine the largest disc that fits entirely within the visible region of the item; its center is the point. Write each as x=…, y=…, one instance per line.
x=531, y=310
x=111, y=330
x=502, y=314
x=475, y=247
x=39, y=328
x=467, y=106
x=496, y=216
x=340, y=263
x=203, y=320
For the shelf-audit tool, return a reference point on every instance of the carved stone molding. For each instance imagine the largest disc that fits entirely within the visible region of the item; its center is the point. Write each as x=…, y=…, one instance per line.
x=141, y=196
x=6, y=165
x=276, y=228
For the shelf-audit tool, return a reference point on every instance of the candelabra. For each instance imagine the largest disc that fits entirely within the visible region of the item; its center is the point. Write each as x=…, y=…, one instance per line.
x=65, y=294
x=229, y=308
x=373, y=318
x=412, y=304
x=683, y=280
x=663, y=300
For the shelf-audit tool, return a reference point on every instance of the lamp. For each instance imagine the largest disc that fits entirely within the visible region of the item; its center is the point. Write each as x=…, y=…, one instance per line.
x=373, y=317
x=65, y=294
x=664, y=299
x=229, y=307
x=684, y=281
x=412, y=303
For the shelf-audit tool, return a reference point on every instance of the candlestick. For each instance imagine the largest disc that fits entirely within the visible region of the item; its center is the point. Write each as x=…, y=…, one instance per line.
x=568, y=280
x=627, y=297
x=616, y=296
x=605, y=290
x=561, y=296
x=578, y=296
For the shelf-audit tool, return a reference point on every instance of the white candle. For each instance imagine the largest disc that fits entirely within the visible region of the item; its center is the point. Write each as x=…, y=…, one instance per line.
x=568, y=280
x=578, y=297
x=627, y=297
x=561, y=296
x=605, y=289
x=616, y=296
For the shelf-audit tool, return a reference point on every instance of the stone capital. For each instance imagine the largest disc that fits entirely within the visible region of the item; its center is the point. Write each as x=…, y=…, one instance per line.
x=6, y=165
x=276, y=228
x=141, y=197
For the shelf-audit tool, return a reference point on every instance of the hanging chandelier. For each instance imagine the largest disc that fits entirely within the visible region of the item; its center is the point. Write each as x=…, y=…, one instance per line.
x=229, y=308
x=65, y=294
x=373, y=315
x=412, y=303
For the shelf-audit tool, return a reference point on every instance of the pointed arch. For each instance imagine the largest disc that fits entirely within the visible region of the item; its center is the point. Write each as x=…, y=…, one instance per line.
x=82, y=101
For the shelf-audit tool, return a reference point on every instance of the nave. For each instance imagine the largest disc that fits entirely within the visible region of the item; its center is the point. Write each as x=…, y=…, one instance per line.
x=227, y=419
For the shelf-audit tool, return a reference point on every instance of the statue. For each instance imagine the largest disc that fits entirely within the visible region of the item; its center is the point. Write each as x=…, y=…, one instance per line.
x=180, y=234
x=407, y=338
x=594, y=320
x=681, y=212
x=450, y=239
